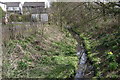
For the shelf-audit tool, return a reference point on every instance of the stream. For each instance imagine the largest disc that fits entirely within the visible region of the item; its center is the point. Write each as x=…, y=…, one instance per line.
x=85, y=69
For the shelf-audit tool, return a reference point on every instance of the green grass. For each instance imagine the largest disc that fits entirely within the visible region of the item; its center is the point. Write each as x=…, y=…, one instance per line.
x=104, y=53
x=2, y=14
x=25, y=58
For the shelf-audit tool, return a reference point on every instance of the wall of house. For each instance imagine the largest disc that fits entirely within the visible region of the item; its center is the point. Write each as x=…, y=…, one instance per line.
x=3, y=6
x=33, y=10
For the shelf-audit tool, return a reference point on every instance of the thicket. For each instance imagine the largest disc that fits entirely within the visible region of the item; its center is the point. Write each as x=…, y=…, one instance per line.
x=20, y=18
x=98, y=24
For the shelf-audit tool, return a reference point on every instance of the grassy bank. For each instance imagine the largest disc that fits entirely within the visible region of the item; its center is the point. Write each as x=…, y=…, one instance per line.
x=41, y=56
x=103, y=50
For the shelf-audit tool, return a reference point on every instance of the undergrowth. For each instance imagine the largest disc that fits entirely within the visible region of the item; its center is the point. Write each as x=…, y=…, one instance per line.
x=104, y=52
x=30, y=57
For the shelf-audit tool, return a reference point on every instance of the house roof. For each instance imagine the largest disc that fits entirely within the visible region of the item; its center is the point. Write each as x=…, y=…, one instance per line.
x=34, y=11
x=34, y=4
x=2, y=2
x=12, y=4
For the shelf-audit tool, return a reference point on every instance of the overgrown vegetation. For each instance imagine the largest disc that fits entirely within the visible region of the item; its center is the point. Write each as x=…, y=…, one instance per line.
x=36, y=57
x=98, y=25
x=20, y=18
x=50, y=53
x=2, y=13
x=103, y=50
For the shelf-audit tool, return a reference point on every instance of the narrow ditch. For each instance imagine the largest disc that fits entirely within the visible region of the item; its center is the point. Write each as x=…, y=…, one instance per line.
x=85, y=69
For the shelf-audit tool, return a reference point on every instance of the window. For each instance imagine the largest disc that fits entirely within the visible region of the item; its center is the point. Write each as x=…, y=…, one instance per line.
x=35, y=16
x=13, y=8
x=16, y=8
x=10, y=9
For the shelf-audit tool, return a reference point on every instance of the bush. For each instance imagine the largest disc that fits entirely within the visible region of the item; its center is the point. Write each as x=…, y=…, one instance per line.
x=19, y=18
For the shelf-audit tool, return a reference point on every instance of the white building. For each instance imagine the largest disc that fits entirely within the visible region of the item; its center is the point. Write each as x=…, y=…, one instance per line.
x=3, y=6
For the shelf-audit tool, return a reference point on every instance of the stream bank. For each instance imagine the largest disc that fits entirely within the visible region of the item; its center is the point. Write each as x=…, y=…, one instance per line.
x=85, y=68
